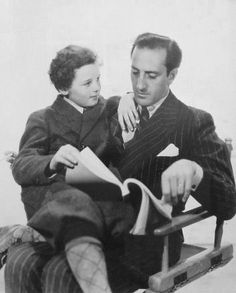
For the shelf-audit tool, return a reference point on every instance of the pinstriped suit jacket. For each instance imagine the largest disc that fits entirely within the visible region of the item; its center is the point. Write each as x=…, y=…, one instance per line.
x=193, y=132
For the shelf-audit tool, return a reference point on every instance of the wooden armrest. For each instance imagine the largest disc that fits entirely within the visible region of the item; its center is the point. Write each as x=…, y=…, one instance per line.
x=190, y=217
x=193, y=266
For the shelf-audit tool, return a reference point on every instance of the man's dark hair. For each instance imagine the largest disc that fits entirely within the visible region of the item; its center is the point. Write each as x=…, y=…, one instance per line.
x=62, y=68
x=155, y=41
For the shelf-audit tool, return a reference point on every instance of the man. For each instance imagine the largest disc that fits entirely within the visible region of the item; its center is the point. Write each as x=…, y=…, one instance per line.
x=175, y=151
x=178, y=143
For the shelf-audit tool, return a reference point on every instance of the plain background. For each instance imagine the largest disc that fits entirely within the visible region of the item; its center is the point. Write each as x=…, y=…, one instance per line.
x=32, y=31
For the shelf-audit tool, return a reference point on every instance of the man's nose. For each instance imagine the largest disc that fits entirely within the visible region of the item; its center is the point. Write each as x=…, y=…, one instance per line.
x=141, y=84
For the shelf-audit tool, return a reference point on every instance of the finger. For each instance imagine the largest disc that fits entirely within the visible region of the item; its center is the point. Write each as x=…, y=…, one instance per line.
x=181, y=186
x=187, y=189
x=64, y=162
x=128, y=122
x=185, y=197
x=64, y=159
x=174, y=189
x=166, y=189
x=70, y=149
x=133, y=119
x=70, y=158
x=133, y=109
x=121, y=122
x=71, y=152
x=136, y=115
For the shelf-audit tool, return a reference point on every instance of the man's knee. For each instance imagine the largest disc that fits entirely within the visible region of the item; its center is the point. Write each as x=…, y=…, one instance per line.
x=57, y=276
x=24, y=266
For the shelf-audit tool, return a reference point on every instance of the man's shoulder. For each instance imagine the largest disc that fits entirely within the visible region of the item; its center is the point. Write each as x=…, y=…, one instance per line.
x=195, y=112
x=200, y=114
x=192, y=115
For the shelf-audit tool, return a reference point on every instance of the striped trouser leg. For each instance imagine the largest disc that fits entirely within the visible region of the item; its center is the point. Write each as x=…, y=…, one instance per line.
x=58, y=278
x=24, y=267
x=33, y=268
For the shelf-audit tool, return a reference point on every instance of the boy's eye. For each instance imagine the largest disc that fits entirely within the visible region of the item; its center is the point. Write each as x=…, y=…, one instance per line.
x=87, y=83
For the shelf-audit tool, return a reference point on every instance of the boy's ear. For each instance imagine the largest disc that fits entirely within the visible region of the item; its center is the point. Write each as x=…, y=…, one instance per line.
x=172, y=75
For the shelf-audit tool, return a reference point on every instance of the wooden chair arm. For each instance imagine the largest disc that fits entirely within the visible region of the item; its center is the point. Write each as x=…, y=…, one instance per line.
x=190, y=266
x=188, y=218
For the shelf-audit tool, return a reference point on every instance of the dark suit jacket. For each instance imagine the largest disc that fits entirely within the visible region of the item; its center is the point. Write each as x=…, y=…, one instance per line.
x=50, y=128
x=192, y=131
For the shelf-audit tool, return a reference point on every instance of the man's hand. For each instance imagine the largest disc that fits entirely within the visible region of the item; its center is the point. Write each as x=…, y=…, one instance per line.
x=127, y=112
x=179, y=179
x=66, y=156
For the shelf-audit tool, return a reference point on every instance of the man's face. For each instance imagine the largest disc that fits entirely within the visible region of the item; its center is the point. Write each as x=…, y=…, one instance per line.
x=85, y=88
x=149, y=75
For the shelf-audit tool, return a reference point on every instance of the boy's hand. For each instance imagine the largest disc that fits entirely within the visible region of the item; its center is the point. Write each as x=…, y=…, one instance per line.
x=66, y=156
x=127, y=112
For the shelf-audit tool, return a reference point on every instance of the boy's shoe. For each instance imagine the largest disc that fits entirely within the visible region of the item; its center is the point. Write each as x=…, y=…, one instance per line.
x=8, y=237
x=6, y=240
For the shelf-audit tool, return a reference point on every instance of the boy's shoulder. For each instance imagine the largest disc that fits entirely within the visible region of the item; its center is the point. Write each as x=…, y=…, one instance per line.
x=111, y=105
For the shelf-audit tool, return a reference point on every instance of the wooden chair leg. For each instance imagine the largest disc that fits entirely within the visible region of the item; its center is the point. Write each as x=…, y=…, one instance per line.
x=165, y=256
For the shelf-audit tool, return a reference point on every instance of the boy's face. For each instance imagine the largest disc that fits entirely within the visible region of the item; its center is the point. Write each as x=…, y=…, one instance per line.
x=85, y=88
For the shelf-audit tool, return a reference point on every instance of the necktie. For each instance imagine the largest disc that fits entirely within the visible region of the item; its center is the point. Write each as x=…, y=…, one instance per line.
x=144, y=116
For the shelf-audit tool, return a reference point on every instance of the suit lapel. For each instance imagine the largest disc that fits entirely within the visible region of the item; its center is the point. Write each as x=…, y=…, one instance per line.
x=69, y=117
x=154, y=137
x=91, y=117
x=81, y=124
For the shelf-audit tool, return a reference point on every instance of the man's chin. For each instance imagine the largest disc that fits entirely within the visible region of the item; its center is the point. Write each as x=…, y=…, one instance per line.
x=141, y=100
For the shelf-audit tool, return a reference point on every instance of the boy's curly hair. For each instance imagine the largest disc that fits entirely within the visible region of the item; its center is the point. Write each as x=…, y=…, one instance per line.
x=62, y=68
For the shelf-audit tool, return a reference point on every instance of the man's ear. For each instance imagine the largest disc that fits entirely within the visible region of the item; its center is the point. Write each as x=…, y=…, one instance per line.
x=172, y=75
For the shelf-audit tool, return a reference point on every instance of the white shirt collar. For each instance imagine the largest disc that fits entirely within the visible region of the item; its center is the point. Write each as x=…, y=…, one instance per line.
x=152, y=109
x=128, y=135
x=77, y=107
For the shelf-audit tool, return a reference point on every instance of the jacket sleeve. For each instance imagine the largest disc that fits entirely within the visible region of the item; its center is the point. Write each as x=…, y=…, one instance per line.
x=33, y=158
x=116, y=147
x=217, y=189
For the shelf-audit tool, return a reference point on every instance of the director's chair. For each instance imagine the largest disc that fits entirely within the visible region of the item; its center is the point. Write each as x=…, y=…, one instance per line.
x=195, y=261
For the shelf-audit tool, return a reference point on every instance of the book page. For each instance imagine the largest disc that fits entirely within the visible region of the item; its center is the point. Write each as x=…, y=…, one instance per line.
x=91, y=169
x=165, y=209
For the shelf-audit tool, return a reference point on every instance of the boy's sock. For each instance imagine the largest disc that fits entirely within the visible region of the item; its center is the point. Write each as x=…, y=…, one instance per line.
x=87, y=262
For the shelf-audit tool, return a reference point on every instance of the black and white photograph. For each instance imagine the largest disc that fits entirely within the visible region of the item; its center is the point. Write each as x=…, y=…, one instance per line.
x=118, y=146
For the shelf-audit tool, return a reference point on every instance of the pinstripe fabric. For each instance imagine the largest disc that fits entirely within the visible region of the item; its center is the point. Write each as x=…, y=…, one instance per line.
x=23, y=268
x=57, y=277
x=32, y=264
x=193, y=132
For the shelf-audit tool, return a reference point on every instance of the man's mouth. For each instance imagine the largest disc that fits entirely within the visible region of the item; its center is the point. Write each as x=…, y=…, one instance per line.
x=141, y=95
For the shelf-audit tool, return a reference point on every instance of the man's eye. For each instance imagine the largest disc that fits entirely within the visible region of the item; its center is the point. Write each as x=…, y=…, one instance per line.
x=135, y=72
x=152, y=76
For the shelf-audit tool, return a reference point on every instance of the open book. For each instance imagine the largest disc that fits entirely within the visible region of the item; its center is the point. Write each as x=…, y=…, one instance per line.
x=91, y=170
